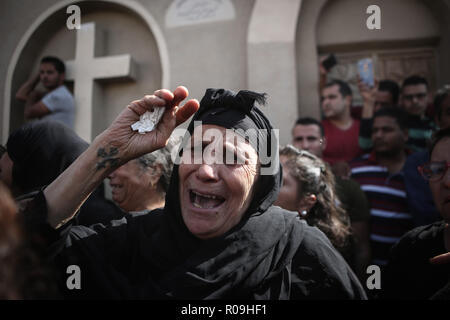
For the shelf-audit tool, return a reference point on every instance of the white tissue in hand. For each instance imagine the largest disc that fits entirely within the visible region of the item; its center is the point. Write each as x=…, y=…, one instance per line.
x=148, y=121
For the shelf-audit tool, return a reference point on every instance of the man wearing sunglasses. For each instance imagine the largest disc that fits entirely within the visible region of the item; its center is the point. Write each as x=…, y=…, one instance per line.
x=419, y=264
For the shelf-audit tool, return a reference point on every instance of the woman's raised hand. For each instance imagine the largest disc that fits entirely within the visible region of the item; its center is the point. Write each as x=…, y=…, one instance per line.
x=120, y=143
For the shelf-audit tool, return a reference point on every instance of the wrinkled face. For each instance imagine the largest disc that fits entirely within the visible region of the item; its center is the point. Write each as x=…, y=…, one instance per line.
x=215, y=195
x=387, y=136
x=383, y=99
x=441, y=188
x=131, y=186
x=444, y=118
x=49, y=76
x=333, y=103
x=309, y=138
x=6, y=165
x=288, y=198
x=415, y=99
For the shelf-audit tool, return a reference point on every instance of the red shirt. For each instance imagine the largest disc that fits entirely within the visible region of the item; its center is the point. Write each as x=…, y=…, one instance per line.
x=342, y=145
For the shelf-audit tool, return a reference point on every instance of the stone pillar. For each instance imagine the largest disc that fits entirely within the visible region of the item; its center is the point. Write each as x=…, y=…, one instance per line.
x=271, y=65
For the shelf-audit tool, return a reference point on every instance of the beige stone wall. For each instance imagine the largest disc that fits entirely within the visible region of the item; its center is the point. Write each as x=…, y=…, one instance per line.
x=200, y=56
x=344, y=21
x=250, y=51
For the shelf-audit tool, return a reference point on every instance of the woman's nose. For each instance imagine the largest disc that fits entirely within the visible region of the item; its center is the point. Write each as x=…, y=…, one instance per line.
x=207, y=172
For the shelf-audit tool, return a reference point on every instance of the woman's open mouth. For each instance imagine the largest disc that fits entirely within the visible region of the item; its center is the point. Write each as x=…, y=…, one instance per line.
x=204, y=200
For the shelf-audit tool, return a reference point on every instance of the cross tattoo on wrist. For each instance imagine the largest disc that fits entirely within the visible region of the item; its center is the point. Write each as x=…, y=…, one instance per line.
x=107, y=157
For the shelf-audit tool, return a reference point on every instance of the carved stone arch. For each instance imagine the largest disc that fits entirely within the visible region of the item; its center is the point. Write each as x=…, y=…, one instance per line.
x=22, y=57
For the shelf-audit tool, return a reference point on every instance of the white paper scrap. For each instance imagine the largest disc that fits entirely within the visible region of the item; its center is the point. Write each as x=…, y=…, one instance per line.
x=148, y=121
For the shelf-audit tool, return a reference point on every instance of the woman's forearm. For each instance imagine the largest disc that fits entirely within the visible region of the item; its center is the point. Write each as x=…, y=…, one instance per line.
x=68, y=192
x=112, y=148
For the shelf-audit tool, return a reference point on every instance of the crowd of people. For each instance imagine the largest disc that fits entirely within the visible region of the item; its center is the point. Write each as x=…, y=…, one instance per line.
x=219, y=215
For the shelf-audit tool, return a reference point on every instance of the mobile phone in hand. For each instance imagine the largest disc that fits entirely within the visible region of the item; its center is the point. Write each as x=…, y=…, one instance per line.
x=365, y=71
x=329, y=62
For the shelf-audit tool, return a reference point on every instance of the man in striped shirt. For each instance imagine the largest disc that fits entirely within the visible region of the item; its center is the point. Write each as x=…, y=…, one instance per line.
x=380, y=175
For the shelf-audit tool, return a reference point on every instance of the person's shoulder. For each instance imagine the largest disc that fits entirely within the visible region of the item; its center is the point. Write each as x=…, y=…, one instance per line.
x=420, y=242
x=347, y=183
x=314, y=241
x=360, y=161
x=281, y=218
x=428, y=122
x=62, y=92
x=128, y=222
x=417, y=158
x=326, y=123
x=427, y=232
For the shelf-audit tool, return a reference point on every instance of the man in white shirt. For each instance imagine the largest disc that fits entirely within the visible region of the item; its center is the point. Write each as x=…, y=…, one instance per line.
x=57, y=103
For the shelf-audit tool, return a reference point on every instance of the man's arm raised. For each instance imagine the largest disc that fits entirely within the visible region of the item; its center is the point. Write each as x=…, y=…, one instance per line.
x=26, y=88
x=112, y=148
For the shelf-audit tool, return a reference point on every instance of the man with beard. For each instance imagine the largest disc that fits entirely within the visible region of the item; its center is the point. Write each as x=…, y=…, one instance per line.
x=56, y=102
x=381, y=177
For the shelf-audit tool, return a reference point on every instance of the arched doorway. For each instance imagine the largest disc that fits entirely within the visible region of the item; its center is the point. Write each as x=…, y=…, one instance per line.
x=128, y=29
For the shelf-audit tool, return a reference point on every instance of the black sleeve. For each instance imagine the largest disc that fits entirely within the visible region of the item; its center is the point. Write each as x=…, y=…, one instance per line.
x=33, y=215
x=320, y=272
x=102, y=252
x=408, y=274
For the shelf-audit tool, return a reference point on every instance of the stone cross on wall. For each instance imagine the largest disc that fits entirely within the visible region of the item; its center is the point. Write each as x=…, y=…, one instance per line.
x=87, y=69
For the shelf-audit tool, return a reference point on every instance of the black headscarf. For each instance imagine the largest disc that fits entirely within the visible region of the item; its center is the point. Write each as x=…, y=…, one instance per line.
x=41, y=151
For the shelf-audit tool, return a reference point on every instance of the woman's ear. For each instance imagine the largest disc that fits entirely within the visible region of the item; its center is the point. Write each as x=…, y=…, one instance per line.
x=307, y=202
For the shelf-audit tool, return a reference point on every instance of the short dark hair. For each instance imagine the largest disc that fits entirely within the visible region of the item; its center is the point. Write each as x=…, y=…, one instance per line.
x=391, y=87
x=56, y=62
x=441, y=95
x=438, y=136
x=344, y=88
x=414, y=80
x=306, y=121
x=399, y=114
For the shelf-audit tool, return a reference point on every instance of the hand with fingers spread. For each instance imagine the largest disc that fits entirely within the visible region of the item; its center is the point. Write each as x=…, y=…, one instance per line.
x=130, y=144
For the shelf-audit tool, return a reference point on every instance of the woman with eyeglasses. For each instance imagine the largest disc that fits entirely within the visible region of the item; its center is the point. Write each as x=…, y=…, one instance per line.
x=419, y=266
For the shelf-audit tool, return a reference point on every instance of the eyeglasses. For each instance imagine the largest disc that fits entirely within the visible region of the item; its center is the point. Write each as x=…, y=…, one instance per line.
x=410, y=97
x=434, y=171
